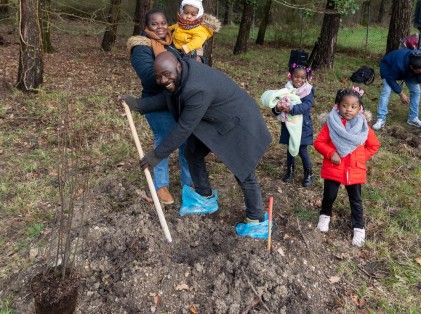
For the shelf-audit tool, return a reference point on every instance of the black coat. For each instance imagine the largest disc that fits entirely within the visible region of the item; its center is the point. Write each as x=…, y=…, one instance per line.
x=304, y=109
x=218, y=112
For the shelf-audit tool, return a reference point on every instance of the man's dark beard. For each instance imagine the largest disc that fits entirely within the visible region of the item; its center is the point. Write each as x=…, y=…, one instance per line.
x=177, y=82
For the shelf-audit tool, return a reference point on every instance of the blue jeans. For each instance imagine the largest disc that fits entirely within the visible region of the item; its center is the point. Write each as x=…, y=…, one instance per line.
x=161, y=123
x=414, y=96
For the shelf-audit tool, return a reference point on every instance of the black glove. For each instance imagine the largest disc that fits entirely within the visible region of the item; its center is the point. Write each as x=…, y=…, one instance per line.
x=130, y=101
x=149, y=161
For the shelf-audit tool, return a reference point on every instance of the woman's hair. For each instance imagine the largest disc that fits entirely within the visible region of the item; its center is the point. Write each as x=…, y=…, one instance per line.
x=152, y=12
x=350, y=91
x=415, y=59
x=295, y=67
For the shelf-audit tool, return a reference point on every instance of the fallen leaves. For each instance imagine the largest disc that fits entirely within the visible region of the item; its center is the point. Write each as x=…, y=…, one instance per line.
x=418, y=260
x=334, y=279
x=342, y=256
x=193, y=309
x=157, y=300
x=360, y=302
x=280, y=251
x=182, y=287
x=143, y=195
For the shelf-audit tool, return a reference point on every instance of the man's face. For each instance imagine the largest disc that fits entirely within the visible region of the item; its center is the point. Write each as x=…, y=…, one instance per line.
x=168, y=75
x=416, y=71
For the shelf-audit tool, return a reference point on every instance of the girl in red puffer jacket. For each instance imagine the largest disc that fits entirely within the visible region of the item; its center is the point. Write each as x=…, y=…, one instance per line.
x=346, y=141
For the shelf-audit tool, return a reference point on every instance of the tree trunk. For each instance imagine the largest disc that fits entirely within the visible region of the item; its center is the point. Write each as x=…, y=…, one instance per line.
x=228, y=12
x=4, y=9
x=31, y=67
x=328, y=37
x=381, y=12
x=209, y=7
x=142, y=7
x=110, y=34
x=263, y=24
x=400, y=23
x=245, y=26
x=45, y=9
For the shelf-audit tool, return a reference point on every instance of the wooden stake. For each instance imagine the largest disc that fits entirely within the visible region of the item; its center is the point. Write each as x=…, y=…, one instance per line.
x=270, y=223
x=148, y=174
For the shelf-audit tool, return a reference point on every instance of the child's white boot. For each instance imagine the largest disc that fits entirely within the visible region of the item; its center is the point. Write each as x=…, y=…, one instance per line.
x=323, y=224
x=359, y=237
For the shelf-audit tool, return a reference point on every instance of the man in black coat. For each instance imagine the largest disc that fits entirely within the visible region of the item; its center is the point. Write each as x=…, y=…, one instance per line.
x=212, y=114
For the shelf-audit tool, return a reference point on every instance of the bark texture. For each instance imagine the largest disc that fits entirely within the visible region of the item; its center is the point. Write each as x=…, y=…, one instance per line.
x=263, y=24
x=400, y=23
x=31, y=66
x=110, y=33
x=328, y=38
x=245, y=26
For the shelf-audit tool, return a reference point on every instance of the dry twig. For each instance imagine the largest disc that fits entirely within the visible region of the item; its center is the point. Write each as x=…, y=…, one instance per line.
x=254, y=290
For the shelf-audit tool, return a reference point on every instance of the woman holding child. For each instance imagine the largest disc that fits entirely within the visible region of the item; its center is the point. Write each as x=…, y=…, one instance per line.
x=143, y=49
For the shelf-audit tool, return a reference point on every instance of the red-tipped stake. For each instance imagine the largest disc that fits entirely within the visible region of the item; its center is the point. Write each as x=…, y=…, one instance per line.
x=270, y=222
x=148, y=175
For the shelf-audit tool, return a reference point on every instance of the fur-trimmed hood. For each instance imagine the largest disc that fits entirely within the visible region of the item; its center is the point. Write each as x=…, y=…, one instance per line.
x=137, y=40
x=211, y=22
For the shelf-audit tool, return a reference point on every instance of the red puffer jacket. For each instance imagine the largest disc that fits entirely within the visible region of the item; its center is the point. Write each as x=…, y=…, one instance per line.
x=352, y=169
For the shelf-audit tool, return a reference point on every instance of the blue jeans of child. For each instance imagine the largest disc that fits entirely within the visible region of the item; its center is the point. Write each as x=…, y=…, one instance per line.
x=161, y=123
x=414, y=96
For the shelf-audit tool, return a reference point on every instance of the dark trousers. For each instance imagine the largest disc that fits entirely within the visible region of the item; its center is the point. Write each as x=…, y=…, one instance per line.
x=354, y=194
x=305, y=157
x=195, y=153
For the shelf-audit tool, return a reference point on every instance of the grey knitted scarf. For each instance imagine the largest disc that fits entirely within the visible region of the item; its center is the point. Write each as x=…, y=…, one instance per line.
x=347, y=138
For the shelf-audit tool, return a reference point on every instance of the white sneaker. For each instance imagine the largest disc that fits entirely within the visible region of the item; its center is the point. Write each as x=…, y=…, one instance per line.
x=359, y=237
x=323, y=224
x=414, y=122
x=379, y=124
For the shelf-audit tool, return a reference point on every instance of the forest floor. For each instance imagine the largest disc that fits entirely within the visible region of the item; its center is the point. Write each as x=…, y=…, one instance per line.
x=126, y=264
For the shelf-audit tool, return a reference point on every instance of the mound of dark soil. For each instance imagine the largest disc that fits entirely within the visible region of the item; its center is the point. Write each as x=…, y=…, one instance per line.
x=128, y=266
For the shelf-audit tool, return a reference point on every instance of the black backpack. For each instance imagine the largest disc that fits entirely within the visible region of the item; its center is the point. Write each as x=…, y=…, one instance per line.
x=299, y=57
x=363, y=75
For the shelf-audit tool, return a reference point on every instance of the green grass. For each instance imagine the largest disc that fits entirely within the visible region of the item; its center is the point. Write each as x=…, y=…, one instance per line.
x=34, y=230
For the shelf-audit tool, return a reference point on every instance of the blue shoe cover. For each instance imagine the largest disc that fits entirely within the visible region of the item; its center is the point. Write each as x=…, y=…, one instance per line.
x=258, y=230
x=195, y=204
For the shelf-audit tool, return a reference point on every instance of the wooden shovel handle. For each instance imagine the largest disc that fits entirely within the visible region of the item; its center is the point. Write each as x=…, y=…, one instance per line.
x=147, y=174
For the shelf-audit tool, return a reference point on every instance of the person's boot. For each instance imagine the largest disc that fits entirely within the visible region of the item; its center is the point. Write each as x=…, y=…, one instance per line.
x=165, y=196
x=195, y=204
x=254, y=228
x=308, y=175
x=289, y=174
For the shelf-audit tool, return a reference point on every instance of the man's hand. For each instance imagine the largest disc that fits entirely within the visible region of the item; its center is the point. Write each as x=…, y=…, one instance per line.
x=149, y=161
x=130, y=101
x=144, y=163
x=404, y=98
x=335, y=159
